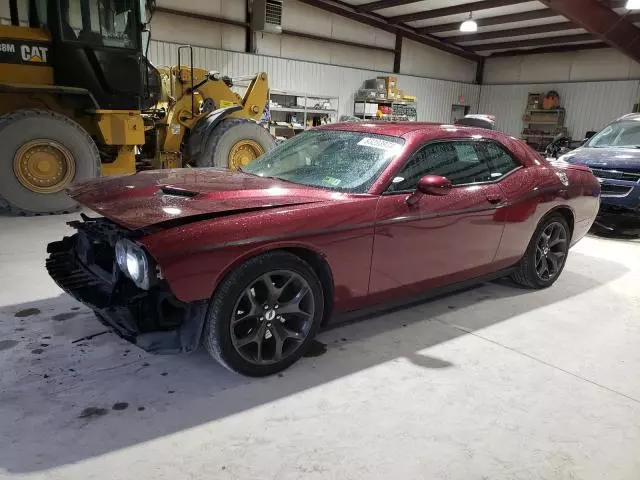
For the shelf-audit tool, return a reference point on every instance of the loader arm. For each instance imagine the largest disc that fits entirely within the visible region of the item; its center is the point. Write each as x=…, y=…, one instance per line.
x=255, y=98
x=180, y=116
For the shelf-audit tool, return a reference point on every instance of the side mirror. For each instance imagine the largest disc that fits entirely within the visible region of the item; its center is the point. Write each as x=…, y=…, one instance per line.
x=429, y=185
x=434, y=185
x=588, y=135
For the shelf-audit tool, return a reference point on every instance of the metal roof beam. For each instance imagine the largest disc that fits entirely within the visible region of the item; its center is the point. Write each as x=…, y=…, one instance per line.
x=552, y=49
x=499, y=20
x=454, y=10
x=380, y=4
x=602, y=22
x=534, y=42
x=513, y=32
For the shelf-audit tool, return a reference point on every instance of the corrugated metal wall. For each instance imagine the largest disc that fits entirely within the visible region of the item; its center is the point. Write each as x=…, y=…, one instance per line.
x=589, y=105
x=435, y=97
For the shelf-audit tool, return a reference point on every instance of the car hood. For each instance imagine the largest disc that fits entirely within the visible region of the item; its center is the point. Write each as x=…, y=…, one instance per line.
x=172, y=197
x=609, y=158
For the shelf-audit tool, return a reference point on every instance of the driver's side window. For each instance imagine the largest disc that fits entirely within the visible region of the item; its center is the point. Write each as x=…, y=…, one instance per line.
x=108, y=23
x=459, y=161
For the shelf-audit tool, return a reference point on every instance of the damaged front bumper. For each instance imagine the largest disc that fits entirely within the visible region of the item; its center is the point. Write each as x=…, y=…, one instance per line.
x=619, y=219
x=83, y=265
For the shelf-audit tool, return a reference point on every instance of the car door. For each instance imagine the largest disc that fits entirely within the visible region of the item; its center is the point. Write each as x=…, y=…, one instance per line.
x=440, y=239
x=524, y=189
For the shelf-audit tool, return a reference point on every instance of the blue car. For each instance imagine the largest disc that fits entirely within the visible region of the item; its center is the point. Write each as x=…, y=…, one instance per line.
x=613, y=154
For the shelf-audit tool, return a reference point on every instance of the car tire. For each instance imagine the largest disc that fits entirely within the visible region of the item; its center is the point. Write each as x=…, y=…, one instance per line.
x=544, y=249
x=243, y=335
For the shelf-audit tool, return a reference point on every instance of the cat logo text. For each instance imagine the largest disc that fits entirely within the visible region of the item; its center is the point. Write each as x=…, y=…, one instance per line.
x=36, y=54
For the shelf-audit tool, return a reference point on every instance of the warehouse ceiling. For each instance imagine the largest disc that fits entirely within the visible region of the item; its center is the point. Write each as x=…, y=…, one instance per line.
x=505, y=27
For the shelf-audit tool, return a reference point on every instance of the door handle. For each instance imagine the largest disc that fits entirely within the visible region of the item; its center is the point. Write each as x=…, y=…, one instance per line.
x=494, y=198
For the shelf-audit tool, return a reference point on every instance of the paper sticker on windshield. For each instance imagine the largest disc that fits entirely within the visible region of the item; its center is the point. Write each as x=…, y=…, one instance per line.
x=334, y=182
x=377, y=143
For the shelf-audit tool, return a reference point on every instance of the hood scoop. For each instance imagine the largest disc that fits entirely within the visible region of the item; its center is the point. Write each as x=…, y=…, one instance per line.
x=178, y=192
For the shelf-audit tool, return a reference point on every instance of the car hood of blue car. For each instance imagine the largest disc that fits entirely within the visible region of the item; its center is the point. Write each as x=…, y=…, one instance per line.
x=609, y=158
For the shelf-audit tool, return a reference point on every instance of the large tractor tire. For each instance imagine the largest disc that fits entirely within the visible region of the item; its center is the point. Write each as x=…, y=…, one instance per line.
x=42, y=153
x=232, y=143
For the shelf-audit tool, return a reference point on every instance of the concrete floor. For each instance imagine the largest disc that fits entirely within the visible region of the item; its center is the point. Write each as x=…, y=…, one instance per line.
x=490, y=383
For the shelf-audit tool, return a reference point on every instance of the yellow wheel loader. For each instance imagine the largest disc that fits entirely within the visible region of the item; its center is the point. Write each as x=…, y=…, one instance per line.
x=78, y=98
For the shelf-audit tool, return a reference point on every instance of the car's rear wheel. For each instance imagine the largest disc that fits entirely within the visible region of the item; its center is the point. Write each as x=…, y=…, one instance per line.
x=265, y=314
x=546, y=254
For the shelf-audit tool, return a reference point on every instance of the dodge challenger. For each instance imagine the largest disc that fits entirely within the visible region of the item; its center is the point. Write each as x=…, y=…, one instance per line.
x=340, y=218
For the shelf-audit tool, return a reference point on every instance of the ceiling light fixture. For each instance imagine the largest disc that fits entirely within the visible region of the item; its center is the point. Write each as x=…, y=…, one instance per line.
x=470, y=25
x=633, y=5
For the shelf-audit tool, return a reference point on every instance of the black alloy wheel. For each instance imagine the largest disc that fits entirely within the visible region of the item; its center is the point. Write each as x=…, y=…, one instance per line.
x=272, y=317
x=264, y=314
x=551, y=251
x=546, y=254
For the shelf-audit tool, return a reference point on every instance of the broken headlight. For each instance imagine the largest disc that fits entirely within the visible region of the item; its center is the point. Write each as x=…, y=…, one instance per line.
x=133, y=262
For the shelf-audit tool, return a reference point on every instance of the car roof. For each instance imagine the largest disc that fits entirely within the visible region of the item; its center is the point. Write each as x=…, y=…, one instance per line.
x=628, y=116
x=400, y=129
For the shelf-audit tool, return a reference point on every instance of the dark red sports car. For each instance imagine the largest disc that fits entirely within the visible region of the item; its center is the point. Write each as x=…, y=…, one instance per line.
x=339, y=218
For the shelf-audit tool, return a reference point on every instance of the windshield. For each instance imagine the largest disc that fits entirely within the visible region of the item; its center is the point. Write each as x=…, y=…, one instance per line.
x=337, y=160
x=109, y=23
x=625, y=133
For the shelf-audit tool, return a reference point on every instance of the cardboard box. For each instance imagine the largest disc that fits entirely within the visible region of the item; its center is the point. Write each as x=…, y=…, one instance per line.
x=391, y=85
x=377, y=84
x=368, y=109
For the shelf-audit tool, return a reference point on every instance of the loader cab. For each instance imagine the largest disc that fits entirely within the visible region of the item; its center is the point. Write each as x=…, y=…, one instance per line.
x=97, y=45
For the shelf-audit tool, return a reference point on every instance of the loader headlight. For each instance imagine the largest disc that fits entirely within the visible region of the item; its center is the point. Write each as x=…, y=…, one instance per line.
x=133, y=261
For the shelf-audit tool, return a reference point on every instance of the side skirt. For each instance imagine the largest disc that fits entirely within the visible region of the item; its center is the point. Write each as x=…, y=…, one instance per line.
x=343, y=318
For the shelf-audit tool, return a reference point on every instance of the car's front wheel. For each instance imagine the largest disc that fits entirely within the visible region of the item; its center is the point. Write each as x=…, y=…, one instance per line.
x=546, y=254
x=265, y=314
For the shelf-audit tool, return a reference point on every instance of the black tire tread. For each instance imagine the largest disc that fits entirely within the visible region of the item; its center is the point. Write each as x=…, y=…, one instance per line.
x=224, y=292
x=525, y=270
x=210, y=139
x=19, y=115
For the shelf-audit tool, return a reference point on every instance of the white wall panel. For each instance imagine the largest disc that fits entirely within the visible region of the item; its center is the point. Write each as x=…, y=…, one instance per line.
x=601, y=65
x=232, y=9
x=323, y=52
x=589, y=105
x=583, y=65
x=304, y=18
x=435, y=97
x=194, y=31
x=418, y=59
x=303, y=49
x=300, y=17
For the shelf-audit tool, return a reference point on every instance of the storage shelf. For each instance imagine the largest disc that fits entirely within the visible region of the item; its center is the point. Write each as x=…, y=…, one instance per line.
x=301, y=106
x=542, y=110
x=533, y=135
x=302, y=109
x=388, y=101
x=542, y=123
